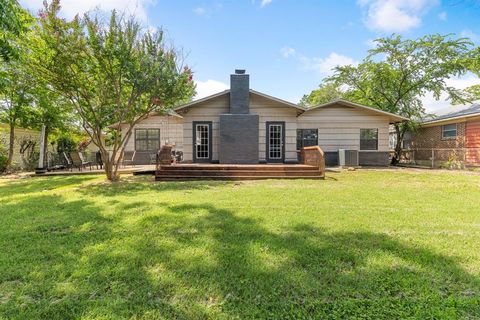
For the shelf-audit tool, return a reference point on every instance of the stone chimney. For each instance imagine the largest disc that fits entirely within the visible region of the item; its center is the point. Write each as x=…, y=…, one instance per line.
x=239, y=92
x=239, y=129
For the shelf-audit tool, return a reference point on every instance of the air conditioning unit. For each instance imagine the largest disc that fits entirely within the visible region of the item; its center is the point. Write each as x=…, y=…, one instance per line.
x=348, y=158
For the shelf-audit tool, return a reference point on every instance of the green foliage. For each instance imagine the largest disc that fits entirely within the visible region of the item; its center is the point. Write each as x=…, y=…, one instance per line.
x=348, y=247
x=13, y=21
x=114, y=73
x=326, y=92
x=398, y=72
x=66, y=144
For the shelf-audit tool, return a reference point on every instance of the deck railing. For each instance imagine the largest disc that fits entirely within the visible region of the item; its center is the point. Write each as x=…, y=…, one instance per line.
x=313, y=156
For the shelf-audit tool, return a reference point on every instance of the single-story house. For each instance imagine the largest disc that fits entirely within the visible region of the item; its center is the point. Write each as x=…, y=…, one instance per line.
x=241, y=125
x=452, y=134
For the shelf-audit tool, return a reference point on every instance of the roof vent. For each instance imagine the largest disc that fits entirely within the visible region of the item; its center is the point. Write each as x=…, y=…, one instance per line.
x=239, y=71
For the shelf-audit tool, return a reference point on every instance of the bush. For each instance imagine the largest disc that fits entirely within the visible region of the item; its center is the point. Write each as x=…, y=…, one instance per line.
x=453, y=162
x=3, y=157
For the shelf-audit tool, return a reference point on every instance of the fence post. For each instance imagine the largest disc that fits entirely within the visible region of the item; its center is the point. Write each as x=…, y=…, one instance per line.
x=433, y=158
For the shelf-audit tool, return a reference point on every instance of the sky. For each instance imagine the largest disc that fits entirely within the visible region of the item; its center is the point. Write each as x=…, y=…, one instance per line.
x=287, y=46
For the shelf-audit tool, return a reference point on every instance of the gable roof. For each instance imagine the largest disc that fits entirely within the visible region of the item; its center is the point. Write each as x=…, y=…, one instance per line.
x=393, y=117
x=453, y=113
x=216, y=95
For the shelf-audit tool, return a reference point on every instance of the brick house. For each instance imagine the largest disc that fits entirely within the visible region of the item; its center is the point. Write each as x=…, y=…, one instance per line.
x=452, y=134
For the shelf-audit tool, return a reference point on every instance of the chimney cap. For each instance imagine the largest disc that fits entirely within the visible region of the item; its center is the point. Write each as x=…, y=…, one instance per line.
x=239, y=71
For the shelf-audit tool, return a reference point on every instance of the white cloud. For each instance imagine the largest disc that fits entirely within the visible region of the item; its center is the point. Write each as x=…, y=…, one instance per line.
x=200, y=11
x=467, y=33
x=265, y=3
x=209, y=87
x=72, y=7
x=395, y=15
x=287, y=52
x=327, y=64
x=429, y=102
x=442, y=16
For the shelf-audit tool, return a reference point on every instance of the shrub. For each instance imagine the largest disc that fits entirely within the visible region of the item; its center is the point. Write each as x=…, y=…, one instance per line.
x=453, y=162
x=3, y=156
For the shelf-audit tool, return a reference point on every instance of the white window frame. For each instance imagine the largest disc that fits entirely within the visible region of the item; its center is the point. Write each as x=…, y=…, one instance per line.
x=449, y=130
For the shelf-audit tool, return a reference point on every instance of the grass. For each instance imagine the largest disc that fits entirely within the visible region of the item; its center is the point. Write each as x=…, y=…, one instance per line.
x=362, y=245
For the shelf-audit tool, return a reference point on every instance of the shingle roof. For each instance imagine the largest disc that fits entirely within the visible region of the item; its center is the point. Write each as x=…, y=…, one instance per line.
x=454, y=112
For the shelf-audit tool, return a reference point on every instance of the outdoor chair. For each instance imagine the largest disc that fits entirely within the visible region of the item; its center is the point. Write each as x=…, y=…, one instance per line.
x=153, y=158
x=79, y=162
x=128, y=158
x=67, y=161
x=98, y=160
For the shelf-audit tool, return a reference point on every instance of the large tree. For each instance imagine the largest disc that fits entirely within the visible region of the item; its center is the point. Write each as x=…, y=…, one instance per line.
x=15, y=101
x=112, y=73
x=398, y=72
x=325, y=92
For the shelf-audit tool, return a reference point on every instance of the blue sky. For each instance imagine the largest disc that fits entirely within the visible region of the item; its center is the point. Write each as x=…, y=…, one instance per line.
x=288, y=46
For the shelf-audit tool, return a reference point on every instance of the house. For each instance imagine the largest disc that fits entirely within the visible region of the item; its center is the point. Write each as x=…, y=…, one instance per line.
x=26, y=142
x=244, y=126
x=452, y=134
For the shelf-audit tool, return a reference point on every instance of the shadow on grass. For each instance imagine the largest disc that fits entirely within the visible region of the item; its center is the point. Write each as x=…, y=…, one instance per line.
x=201, y=261
x=134, y=185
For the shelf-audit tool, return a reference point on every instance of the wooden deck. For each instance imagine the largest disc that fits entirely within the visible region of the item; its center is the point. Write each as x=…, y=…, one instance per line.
x=237, y=172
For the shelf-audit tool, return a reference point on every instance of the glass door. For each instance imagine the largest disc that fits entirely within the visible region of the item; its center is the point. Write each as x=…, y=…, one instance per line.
x=202, y=140
x=275, y=141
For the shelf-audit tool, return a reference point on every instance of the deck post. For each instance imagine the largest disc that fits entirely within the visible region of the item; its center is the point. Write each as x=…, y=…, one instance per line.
x=41, y=160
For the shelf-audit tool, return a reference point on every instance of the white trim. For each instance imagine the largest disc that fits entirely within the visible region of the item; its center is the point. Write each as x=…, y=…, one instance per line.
x=290, y=104
x=465, y=116
x=353, y=104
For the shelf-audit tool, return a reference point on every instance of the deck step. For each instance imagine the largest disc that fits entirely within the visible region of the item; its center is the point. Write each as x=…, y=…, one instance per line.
x=186, y=178
x=236, y=172
x=223, y=167
x=265, y=173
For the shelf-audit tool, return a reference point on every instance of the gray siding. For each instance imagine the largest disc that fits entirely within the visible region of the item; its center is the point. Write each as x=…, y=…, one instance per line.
x=339, y=127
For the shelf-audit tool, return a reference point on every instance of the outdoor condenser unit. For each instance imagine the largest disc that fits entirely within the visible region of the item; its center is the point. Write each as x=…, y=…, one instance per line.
x=348, y=158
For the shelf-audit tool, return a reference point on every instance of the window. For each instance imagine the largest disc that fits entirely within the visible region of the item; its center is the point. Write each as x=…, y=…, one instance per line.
x=449, y=131
x=368, y=139
x=147, y=139
x=306, y=138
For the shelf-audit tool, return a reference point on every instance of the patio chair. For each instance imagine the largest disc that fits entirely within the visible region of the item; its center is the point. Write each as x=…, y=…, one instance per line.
x=98, y=160
x=78, y=161
x=128, y=158
x=67, y=161
x=153, y=158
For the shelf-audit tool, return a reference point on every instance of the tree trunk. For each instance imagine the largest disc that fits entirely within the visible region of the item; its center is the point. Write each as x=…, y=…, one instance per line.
x=400, y=132
x=11, y=146
x=111, y=170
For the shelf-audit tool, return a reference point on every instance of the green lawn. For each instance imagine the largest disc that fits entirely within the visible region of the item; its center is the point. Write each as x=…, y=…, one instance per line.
x=364, y=244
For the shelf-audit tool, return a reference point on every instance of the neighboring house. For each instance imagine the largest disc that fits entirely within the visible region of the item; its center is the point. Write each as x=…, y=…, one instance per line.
x=23, y=137
x=241, y=125
x=452, y=134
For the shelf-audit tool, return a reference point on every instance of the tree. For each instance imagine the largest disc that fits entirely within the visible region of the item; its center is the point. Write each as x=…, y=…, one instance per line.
x=397, y=73
x=112, y=73
x=326, y=92
x=15, y=102
x=474, y=66
x=13, y=20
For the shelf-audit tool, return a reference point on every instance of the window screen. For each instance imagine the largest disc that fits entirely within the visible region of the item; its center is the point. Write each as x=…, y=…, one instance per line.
x=368, y=139
x=147, y=139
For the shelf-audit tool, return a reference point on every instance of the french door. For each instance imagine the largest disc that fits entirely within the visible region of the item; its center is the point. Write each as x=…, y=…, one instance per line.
x=275, y=146
x=202, y=141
